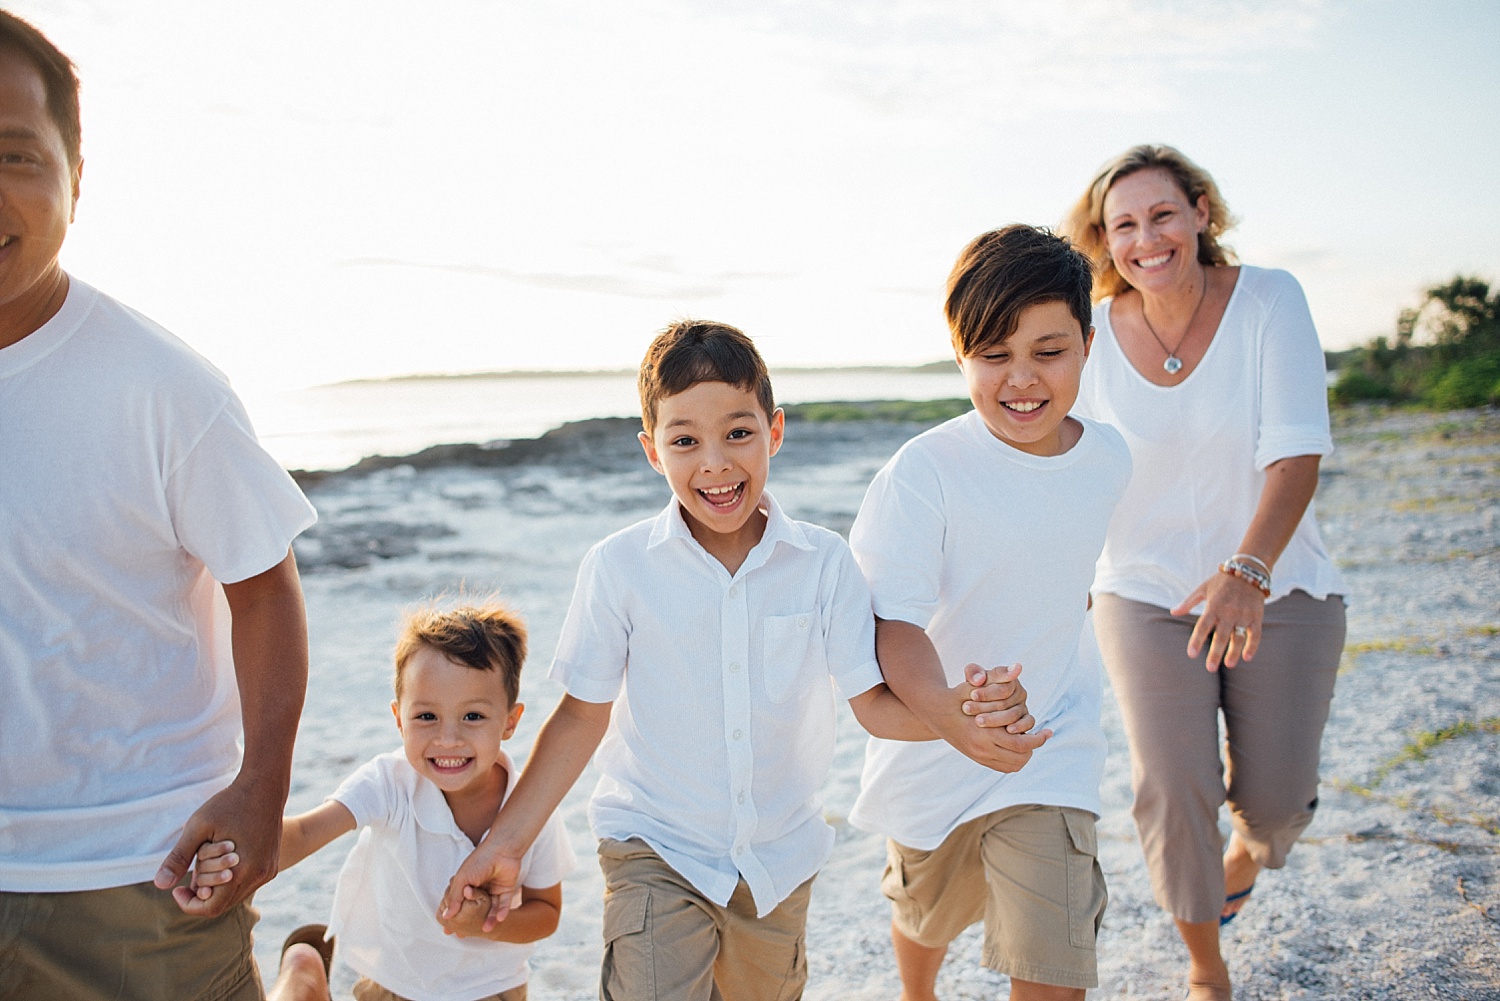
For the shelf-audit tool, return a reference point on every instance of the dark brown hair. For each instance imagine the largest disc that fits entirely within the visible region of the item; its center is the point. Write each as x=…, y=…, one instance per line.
x=487, y=637
x=1085, y=223
x=692, y=351
x=59, y=78
x=1002, y=272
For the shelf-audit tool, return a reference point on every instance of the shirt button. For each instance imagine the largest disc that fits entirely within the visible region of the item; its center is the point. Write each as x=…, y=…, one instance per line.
x=801, y=622
x=734, y=668
x=738, y=734
x=742, y=797
x=734, y=590
x=740, y=850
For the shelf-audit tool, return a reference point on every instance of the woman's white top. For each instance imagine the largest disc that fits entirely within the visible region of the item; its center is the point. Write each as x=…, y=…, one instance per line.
x=1200, y=448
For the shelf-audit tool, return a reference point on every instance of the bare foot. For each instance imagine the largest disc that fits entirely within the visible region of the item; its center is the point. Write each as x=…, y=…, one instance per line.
x=1240, y=871
x=1209, y=992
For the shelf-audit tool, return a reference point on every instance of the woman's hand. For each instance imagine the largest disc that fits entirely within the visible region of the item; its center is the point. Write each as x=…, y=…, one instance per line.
x=1232, y=614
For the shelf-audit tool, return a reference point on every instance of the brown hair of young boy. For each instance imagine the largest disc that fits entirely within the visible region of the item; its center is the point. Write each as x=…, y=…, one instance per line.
x=692, y=351
x=487, y=637
x=1002, y=272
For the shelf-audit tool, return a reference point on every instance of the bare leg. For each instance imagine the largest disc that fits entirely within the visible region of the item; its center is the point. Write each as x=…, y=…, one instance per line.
x=1027, y=990
x=1240, y=871
x=1208, y=977
x=301, y=977
x=918, y=966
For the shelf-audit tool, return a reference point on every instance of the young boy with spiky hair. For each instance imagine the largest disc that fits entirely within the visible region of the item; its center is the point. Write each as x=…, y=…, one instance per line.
x=420, y=811
x=979, y=539
x=699, y=648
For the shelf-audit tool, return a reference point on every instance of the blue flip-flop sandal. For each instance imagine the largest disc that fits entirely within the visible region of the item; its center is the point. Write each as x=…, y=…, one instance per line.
x=1224, y=919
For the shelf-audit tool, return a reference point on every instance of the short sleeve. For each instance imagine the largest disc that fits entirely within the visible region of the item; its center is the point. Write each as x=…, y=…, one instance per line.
x=849, y=626
x=367, y=794
x=898, y=538
x=1293, y=378
x=232, y=505
x=550, y=856
x=591, y=652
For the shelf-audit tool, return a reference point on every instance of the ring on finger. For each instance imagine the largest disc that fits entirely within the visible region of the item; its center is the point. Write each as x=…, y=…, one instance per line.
x=1241, y=631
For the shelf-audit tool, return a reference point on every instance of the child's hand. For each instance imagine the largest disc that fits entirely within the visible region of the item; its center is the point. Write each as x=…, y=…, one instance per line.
x=997, y=699
x=470, y=917
x=213, y=866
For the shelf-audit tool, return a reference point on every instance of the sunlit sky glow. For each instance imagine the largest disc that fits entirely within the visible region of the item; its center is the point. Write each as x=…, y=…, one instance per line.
x=316, y=190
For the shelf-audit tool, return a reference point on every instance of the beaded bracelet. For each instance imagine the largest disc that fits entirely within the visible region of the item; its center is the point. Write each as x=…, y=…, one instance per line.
x=1264, y=566
x=1253, y=576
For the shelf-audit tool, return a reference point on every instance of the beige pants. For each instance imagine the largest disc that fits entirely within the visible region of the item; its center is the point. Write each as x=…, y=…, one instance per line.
x=126, y=943
x=1274, y=710
x=664, y=942
x=366, y=989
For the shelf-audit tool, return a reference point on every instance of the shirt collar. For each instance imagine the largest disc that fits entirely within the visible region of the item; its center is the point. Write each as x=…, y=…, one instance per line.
x=670, y=524
x=431, y=809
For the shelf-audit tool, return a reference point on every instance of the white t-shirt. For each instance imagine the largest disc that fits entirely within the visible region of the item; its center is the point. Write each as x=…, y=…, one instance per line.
x=991, y=550
x=722, y=729
x=386, y=900
x=1201, y=448
x=130, y=481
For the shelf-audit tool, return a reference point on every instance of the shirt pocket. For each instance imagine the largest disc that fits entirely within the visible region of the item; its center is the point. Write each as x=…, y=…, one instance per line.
x=791, y=652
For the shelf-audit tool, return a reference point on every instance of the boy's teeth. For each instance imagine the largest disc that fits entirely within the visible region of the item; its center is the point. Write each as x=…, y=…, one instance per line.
x=1024, y=408
x=449, y=762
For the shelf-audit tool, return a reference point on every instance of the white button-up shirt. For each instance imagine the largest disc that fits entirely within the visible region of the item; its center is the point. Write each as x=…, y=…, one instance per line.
x=722, y=730
x=385, y=903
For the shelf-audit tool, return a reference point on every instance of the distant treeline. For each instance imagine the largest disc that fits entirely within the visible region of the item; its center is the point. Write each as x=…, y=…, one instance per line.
x=1456, y=366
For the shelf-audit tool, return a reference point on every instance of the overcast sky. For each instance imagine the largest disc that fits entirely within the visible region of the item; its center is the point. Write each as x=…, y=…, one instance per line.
x=314, y=190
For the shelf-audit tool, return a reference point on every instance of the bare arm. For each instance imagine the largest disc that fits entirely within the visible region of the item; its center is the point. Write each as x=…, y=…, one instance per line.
x=991, y=698
x=307, y=832
x=269, y=637
x=914, y=673
x=563, y=748
x=1229, y=601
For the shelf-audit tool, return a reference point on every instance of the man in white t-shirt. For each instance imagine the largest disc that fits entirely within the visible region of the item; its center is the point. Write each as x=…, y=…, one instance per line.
x=150, y=611
x=979, y=539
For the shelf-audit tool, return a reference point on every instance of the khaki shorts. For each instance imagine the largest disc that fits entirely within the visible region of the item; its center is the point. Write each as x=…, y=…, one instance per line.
x=366, y=989
x=126, y=943
x=662, y=939
x=1030, y=873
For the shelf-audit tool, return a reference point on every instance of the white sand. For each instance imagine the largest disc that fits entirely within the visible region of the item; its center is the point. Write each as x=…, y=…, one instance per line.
x=1394, y=892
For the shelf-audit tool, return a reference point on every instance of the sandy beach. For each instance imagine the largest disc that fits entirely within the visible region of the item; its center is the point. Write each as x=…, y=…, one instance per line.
x=1393, y=894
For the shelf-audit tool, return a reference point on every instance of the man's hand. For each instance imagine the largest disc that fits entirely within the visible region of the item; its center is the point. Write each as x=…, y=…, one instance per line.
x=489, y=869
x=247, y=813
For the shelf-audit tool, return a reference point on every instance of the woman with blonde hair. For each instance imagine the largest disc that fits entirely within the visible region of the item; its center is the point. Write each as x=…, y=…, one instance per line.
x=1214, y=374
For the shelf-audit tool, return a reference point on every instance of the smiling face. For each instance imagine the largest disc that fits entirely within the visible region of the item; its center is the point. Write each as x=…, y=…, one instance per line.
x=1024, y=386
x=713, y=442
x=38, y=188
x=452, y=719
x=1151, y=230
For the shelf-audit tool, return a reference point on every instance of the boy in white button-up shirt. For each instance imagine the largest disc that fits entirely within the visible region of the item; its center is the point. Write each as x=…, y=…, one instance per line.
x=698, y=648
x=420, y=811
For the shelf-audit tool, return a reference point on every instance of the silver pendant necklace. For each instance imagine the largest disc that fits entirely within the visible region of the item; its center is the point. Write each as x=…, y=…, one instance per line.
x=1173, y=364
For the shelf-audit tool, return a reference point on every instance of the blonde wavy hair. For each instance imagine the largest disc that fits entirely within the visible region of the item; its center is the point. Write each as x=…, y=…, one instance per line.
x=1084, y=225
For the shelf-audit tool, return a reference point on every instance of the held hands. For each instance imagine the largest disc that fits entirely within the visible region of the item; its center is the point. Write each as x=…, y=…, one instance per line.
x=491, y=871
x=1230, y=623
x=471, y=916
x=996, y=700
x=245, y=817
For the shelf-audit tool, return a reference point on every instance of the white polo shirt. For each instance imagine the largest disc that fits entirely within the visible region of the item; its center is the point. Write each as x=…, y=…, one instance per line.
x=722, y=730
x=385, y=904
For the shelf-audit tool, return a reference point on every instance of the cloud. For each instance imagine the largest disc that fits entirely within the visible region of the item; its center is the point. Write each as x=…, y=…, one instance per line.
x=690, y=287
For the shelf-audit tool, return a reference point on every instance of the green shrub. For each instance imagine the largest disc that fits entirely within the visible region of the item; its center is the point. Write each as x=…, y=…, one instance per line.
x=1471, y=382
x=1355, y=384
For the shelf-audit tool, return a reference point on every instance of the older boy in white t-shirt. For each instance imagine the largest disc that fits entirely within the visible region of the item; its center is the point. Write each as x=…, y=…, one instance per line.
x=699, y=647
x=979, y=539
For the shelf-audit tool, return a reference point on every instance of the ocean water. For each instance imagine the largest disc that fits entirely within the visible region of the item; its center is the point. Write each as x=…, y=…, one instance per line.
x=330, y=427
